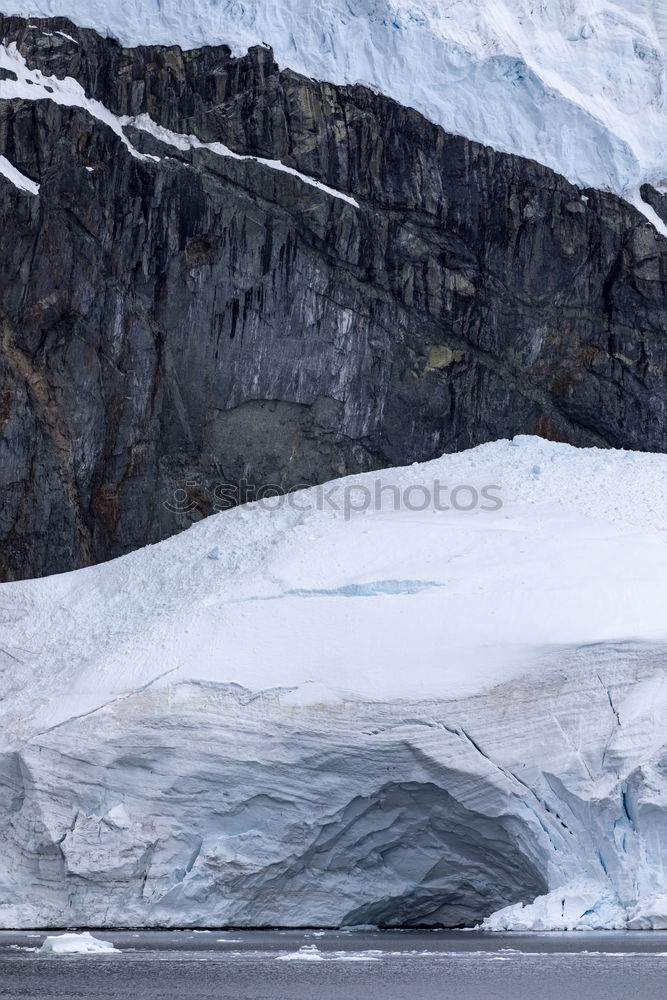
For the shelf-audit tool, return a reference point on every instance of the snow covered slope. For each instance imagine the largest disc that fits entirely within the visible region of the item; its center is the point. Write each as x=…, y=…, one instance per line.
x=577, y=554
x=394, y=715
x=578, y=85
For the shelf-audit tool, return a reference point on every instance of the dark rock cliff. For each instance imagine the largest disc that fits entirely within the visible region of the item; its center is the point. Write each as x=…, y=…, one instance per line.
x=198, y=319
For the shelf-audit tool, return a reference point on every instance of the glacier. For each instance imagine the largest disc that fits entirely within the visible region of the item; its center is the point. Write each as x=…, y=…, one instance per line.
x=325, y=711
x=578, y=85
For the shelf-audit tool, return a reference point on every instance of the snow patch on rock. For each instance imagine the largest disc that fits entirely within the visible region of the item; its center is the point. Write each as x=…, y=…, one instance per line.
x=16, y=178
x=184, y=142
x=578, y=85
x=32, y=85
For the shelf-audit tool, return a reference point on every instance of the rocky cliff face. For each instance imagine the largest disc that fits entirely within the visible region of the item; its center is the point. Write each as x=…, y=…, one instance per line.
x=173, y=317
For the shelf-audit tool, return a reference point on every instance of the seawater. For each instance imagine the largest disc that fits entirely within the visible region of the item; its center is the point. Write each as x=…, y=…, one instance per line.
x=341, y=965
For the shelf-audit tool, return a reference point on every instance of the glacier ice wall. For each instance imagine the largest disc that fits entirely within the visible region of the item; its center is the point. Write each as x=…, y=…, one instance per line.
x=206, y=805
x=578, y=85
x=406, y=717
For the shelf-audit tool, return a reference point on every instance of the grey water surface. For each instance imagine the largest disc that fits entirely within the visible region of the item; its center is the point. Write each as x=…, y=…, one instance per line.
x=345, y=965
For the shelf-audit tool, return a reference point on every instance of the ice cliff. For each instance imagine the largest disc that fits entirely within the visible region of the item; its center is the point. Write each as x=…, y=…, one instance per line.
x=397, y=716
x=578, y=85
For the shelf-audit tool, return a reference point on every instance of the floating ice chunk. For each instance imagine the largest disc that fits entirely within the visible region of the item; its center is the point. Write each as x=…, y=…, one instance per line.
x=362, y=956
x=75, y=944
x=307, y=953
x=310, y=953
x=574, y=907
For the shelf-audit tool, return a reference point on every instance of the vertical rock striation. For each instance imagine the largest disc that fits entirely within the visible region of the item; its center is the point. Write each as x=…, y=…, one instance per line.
x=173, y=317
